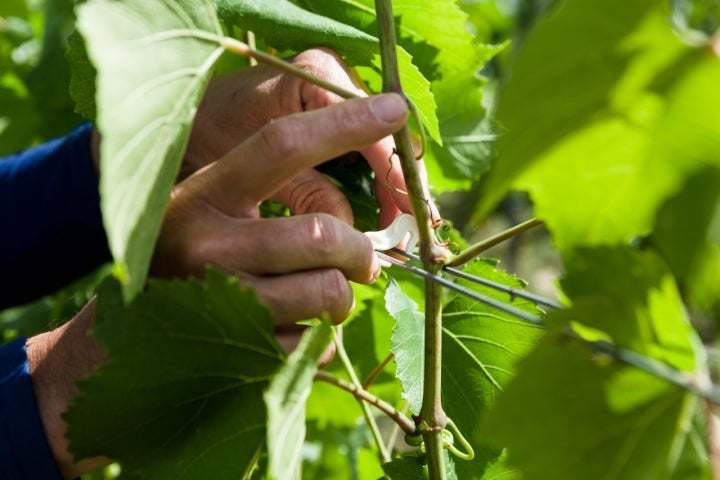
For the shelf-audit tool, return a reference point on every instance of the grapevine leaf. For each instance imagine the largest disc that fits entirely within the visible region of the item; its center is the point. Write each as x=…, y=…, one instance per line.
x=407, y=343
x=573, y=54
x=603, y=420
x=405, y=468
x=285, y=400
x=480, y=348
x=82, y=80
x=500, y=470
x=413, y=468
x=684, y=237
x=187, y=366
x=628, y=169
x=144, y=112
x=286, y=26
x=641, y=120
x=51, y=101
x=630, y=295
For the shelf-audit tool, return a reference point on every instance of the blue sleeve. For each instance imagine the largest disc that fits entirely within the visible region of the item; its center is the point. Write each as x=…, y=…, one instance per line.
x=51, y=230
x=24, y=450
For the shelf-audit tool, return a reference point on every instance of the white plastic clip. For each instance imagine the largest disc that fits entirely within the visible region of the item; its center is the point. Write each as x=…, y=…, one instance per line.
x=403, y=225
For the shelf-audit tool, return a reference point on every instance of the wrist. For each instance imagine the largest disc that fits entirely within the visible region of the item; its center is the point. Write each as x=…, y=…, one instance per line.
x=56, y=360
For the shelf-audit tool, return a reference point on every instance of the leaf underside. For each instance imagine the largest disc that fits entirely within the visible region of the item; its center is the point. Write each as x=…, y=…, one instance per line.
x=182, y=390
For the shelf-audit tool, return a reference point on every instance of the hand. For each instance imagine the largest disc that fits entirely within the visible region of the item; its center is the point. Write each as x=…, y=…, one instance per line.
x=237, y=105
x=299, y=265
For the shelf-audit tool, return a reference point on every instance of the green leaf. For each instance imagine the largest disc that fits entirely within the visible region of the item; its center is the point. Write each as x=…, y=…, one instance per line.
x=413, y=468
x=640, y=122
x=187, y=366
x=407, y=343
x=82, y=79
x=406, y=468
x=631, y=296
x=481, y=346
x=578, y=415
x=577, y=54
x=683, y=236
x=52, y=103
x=285, y=400
x=286, y=26
x=145, y=112
x=628, y=169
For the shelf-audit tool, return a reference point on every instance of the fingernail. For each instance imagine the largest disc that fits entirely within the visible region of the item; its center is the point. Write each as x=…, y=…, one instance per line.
x=389, y=107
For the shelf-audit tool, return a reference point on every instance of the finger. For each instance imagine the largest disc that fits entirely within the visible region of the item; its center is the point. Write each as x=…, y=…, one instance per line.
x=302, y=296
x=328, y=65
x=388, y=173
x=259, y=167
x=311, y=192
x=388, y=207
x=292, y=244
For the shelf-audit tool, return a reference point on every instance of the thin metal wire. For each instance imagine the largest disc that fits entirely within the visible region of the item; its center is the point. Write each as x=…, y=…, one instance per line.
x=534, y=319
x=628, y=357
x=513, y=292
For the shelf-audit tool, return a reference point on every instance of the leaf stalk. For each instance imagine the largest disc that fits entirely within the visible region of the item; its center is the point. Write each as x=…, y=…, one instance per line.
x=474, y=250
x=369, y=418
x=236, y=46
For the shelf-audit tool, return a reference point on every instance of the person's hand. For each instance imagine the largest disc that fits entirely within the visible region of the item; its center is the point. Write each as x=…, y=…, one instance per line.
x=300, y=265
x=237, y=105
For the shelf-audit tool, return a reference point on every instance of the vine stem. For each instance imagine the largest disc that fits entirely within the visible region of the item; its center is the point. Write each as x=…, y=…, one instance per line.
x=474, y=250
x=372, y=424
x=377, y=371
x=432, y=416
x=360, y=393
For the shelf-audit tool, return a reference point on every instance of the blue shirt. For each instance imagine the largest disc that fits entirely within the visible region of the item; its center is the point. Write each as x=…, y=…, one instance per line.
x=24, y=451
x=51, y=233
x=51, y=230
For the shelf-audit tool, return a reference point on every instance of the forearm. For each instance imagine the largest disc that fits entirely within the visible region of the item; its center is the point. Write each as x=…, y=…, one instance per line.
x=57, y=359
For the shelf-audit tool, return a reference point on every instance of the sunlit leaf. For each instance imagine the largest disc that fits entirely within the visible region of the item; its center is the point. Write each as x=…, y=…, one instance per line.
x=560, y=78
x=407, y=343
x=187, y=366
x=144, y=112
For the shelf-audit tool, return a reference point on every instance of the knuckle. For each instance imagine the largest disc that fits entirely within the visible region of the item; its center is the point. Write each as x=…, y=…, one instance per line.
x=336, y=295
x=279, y=139
x=324, y=233
x=316, y=58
